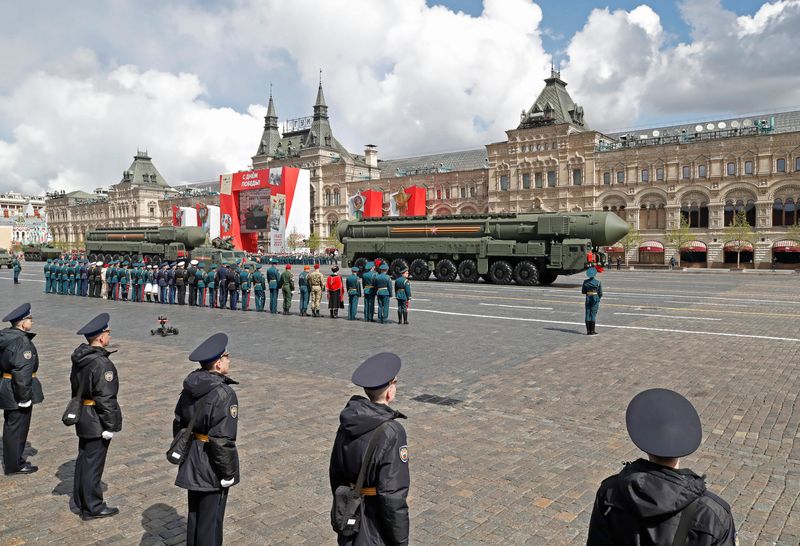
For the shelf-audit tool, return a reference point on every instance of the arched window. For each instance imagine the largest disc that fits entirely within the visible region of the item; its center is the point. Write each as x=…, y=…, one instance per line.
x=777, y=213
x=789, y=215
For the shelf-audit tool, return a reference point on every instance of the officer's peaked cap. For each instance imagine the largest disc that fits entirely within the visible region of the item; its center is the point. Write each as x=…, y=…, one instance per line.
x=210, y=350
x=403, y=270
x=591, y=272
x=193, y=262
x=21, y=312
x=369, y=265
x=384, y=267
x=94, y=326
x=355, y=269
x=377, y=371
x=663, y=423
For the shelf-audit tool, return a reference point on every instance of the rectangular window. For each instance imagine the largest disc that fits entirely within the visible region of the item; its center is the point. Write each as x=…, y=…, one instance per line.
x=576, y=177
x=685, y=173
x=645, y=175
x=537, y=180
x=701, y=171
x=620, y=177
x=551, y=179
x=504, y=182
x=780, y=165
x=660, y=174
x=463, y=192
x=526, y=181
x=797, y=163
x=607, y=178
x=731, y=168
x=748, y=167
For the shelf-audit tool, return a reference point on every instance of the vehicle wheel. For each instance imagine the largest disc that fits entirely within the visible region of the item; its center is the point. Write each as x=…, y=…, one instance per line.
x=175, y=331
x=446, y=270
x=397, y=265
x=360, y=263
x=547, y=277
x=419, y=270
x=501, y=272
x=468, y=271
x=526, y=273
x=152, y=332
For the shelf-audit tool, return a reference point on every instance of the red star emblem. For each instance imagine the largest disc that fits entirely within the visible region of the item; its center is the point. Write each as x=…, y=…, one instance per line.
x=434, y=230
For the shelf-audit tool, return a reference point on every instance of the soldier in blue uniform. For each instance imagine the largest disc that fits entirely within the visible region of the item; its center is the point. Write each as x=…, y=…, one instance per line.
x=47, y=282
x=259, y=286
x=180, y=283
x=593, y=289
x=383, y=291
x=353, y=288
x=232, y=283
x=245, y=284
x=368, y=280
x=212, y=464
x=273, y=277
x=161, y=281
x=84, y=276
x=402, y=291
x=370, y=420
x=302, y=283
x=171, y=283
x=191, y=282
x=91, y=278
x=19, y=387
x=222, y=284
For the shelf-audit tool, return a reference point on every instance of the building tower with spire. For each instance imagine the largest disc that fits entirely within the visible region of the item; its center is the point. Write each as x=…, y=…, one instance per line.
x=270, y=137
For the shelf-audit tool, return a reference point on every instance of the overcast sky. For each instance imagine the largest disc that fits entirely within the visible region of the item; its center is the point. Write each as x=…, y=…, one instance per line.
x=84, y=84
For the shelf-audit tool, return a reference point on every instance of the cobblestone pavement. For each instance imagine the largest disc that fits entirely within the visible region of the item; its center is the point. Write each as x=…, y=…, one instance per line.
x=539, y=424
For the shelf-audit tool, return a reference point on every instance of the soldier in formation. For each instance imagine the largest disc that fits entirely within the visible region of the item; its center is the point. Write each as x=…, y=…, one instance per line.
x=17, y=268
x=383, y=292
x=316, y=284
x=593, y=289
x=402, y=292
x=259, y=287
x=286, y=285
x=368, y=280
x=273, y=277
x=335, y=292
x=245, y=284
x=353, y=289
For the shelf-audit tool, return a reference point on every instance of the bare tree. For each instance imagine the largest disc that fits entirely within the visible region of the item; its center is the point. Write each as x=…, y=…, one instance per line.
x=631, y=240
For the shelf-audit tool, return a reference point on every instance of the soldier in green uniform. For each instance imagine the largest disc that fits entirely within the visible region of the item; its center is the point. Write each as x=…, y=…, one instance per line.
x=245, y=283
x=302, y=281
x=111, y=279
x=286, y=284
x=210, y=283
x=200, y=284
x=124, y=281
x=71, y=278
x=402, y=291
x=47, y=276
x=272, y=281
x=383, y=291
x=259, y=286
x=141, y=282
x=61, y=278
x=353, y=288
x=593, y=289
x=17, y=268
x=368, y=280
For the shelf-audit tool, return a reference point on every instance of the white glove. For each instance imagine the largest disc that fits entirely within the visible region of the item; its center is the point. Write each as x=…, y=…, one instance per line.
x=226, y=483
x=107, y=435
x=25, y=404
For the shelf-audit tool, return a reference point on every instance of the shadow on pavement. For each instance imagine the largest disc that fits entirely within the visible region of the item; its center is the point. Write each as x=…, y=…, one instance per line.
x=161, y=522
x=565, y=330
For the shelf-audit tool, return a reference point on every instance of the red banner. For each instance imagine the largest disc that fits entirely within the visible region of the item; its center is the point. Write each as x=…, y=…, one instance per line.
x=416, y=202
x=176, y=215
x=373, y=203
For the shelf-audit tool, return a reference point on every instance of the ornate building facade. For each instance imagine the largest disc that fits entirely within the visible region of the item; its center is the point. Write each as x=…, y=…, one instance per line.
x=133, y=202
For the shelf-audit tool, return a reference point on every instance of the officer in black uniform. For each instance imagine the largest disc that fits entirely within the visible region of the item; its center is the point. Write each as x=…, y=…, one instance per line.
x=180, y=283
x=19, y=387
x=94, y=378
x=212, y=465
x=385, y=510
x=191, y=281
x=648, y=501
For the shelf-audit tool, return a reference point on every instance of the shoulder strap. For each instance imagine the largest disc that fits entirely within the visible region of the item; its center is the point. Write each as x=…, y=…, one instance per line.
x=373, y=443
x=687, y=515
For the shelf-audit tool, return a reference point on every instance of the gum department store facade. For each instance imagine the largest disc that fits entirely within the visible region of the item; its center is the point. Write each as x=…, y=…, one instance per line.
x=553, y=161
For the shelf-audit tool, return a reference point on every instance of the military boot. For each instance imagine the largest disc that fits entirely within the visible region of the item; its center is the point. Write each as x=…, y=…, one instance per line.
x=593, y=332
x=588, y=328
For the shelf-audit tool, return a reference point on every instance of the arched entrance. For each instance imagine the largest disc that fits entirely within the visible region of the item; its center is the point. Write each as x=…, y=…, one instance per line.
x=651, y=252
x=694, y=254
x=615, y=251
x=744, y=248
x=786, y=252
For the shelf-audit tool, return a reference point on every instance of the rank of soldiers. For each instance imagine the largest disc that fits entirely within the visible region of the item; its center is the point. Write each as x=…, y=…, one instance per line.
x=235, y=286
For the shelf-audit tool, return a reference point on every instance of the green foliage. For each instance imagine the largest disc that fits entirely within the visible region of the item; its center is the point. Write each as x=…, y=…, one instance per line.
x=631, y=240
x=314, y=241
x=679, y=236
x=739, y=233
x=294, y=240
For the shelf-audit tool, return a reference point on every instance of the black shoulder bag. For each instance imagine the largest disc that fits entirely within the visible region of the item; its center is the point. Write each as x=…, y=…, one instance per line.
x=347, y=499
x=179, y=448
x=72, y=414
x=687, y=515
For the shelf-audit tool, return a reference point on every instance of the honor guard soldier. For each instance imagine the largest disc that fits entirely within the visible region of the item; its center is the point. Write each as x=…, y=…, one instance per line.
x=211, y=466
x=222, y=282
x=286, y=284
x=316, y=284
x=17, y=268
x=353, y=289
x=370, y=424
x=402, y=291
x=272, y=282
x=654, y=501
x=368, y=280
x=383, y=292
x=245, y=283
x=94, y=379
x=47, y=283
x=259, y=286
x=593, y=289
x=302, y=283
x=19, y=387
x=180, y=283
x=191, y=282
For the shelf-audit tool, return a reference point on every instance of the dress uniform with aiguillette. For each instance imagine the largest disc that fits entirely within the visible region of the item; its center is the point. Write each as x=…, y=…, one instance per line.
x=19, y=387
x=273, y=277
x=385, y=510
x=368, y=281
x=353, y=288
x=652, y=501
x=212, y=465
x=95, y=380
x=593, y=289
x=402, y=291
x=259, y=287
x=383, y=292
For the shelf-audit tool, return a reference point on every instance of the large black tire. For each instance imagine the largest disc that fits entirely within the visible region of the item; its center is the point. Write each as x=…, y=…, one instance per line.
x=419, y=270
x=547, y=277
x=360, y=263
x=468, y=271
x=397, y=265
x=501, y=273
x=486, y=277
x=446, y=270
x=526, y=273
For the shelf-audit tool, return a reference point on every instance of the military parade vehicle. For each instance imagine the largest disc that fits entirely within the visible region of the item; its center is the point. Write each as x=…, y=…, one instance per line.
x=526, y=248
x=39, y=253
x=6, y=258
